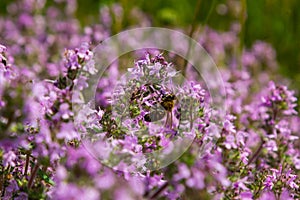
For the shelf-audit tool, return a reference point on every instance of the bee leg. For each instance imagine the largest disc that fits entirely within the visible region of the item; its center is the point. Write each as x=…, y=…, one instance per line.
x=168, y=123
x=171, y=121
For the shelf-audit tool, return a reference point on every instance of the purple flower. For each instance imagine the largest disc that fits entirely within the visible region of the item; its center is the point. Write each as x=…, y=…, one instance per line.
x=183, y=172
x=230, y=142
x=280, y=98
x=21, y=196
x=240, y=184
x=269, y=182
x=123, y=193
x=9, y=158
x=10, y=189
x=2, y=48
x=137, y=185
x=106, y=180
x=75, y=192
x=247, y=195
x=67, y=132
x=271, y=146
x=196, y=180
x=229, y=127
x=267, y=196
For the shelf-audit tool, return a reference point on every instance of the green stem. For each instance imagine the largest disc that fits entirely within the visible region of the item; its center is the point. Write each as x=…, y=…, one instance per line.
x=191, y=33
x=209, y=12
x=243, y=17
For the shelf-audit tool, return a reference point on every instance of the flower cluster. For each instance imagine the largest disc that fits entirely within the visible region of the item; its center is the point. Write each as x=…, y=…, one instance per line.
x=48, y=147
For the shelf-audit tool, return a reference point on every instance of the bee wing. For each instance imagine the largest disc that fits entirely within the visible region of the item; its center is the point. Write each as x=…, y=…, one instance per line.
x=157, y=112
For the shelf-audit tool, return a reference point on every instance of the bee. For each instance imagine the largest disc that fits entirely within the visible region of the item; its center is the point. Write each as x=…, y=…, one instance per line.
x=168, y=103
x=157, y=100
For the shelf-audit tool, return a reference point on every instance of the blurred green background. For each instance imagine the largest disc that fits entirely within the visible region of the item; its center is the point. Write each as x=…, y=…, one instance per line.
x=274, y=21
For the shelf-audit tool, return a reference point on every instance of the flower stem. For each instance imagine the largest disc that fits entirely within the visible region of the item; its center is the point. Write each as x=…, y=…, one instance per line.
x=191, y=33
x=256, y=153
x=26, y=164
x=159, y=191
x=2, y=187
x=35, y=169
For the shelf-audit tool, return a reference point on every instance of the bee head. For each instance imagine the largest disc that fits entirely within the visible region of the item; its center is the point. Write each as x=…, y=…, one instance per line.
x=169, y=97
